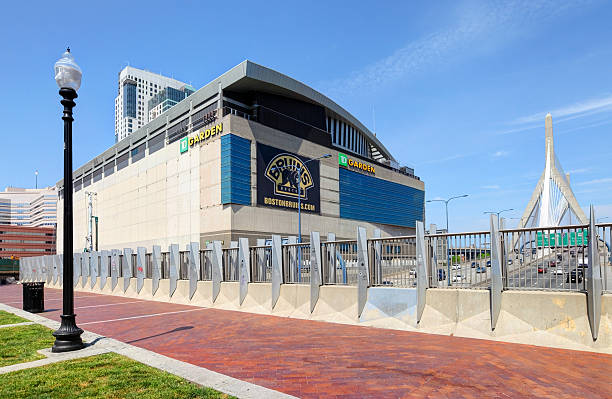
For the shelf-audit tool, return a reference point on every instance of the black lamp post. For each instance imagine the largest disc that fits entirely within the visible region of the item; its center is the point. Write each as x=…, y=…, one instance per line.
x=68, y=78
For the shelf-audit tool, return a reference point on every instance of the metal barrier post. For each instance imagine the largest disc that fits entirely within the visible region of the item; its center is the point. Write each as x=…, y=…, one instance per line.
x=292, y=260
x=315, y=268
x=377, y=258
x=173, y=270
x=261, y=264
x=217, y=269
x=141, y=253
x=49, y=267
x=593, y=279
x=331, y=258
x=103, y=268
x=194, y=267
x=61, y=269
x=277, y=268
x=127, y=267
x=114, y=268
x=422, y=279
x=156, y=269
x=93, y=271
x=244, y=276
x=55, y=268
x=76, y=261
x=363, y=277
x=496, y=272
x=85, y=265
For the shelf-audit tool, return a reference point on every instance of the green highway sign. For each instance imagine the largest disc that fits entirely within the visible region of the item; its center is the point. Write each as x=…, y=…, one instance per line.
x=580, y=237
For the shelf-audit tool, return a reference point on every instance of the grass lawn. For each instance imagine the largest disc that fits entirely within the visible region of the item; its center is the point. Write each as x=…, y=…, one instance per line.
x=9, y=318
x=102, y=376
x=19, y=344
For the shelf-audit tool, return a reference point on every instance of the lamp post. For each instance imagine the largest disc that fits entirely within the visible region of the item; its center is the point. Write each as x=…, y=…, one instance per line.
x=36, y=174
x=447, y=237
x=498, y=213
x=299, y=169
x=68, y=78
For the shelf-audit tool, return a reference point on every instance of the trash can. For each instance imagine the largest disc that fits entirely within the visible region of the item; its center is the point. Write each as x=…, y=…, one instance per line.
x=34, y=297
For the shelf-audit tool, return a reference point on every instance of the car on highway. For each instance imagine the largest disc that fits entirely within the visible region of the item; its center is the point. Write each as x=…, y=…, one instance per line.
x=456, y=266
x=575, y=276
x=552, y=263
x=457, y=277
x=488, y=263
x=542, y=269
x=475, y=264
x=509, y=261
x=481, y=269
x=558, y=271
x=441, y=274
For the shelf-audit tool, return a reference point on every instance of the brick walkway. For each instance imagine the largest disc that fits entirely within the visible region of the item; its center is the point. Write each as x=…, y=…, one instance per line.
x=323, y=360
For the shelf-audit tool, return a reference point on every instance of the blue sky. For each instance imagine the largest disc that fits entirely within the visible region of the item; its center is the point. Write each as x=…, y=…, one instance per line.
x=458, y=90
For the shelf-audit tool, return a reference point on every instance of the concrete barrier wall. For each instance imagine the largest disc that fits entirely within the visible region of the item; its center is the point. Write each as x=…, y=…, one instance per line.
x=544, y=318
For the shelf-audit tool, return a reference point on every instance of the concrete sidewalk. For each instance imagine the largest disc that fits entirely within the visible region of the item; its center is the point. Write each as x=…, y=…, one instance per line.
x=316, y=359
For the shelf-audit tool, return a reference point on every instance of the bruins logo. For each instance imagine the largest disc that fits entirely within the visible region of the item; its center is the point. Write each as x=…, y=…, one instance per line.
x=282, y=170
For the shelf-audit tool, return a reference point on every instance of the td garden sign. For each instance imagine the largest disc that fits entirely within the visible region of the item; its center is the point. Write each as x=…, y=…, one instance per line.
x=200, y=137
x=279, y=181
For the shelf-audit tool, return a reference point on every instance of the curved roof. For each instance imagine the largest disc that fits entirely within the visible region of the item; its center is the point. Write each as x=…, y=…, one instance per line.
x=251, y=75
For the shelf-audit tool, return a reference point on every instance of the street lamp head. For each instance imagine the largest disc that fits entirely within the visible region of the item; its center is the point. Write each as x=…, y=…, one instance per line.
x=67, y=72
x=326, y=156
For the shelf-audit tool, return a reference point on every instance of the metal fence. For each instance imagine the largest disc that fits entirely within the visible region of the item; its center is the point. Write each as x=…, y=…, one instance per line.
x=392, y=261
x=296, y=263
x=549, y=259
x=261, y=264
x=531, y=259
x=604, y=232
x=230, y=264
x=339, y=262
x=206, y=265
x=460, y=260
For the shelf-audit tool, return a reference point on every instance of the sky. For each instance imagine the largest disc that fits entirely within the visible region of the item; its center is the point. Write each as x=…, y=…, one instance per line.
x=457, y=90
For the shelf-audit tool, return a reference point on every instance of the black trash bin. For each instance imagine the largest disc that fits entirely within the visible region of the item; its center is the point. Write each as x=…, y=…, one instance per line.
x=34, y=297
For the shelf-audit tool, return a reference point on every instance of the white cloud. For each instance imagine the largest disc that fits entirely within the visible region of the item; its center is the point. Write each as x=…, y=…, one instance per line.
x=605, y=180
x=577, y=171
x=572, y=111
x=476, y=22
x=500, y=154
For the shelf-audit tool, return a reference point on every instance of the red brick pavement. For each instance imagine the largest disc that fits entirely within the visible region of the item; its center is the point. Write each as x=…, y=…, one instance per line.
x=324, y=360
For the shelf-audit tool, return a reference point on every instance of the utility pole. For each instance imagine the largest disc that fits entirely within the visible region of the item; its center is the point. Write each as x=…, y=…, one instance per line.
x=90, y=195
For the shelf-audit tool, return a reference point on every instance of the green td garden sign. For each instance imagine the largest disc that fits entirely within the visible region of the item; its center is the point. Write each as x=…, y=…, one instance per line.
x=580, y=237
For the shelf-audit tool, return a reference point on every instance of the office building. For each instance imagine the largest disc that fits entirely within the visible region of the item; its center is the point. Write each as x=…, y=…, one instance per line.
x=20, y=241
x=166, y=99
x=214, y=169
x=30, y=207
x=135, y=88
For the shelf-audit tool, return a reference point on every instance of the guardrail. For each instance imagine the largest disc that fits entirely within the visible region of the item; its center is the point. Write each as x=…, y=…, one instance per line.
x=261, y=263
x=530, y=259
x=296, y=263
x=339, y=262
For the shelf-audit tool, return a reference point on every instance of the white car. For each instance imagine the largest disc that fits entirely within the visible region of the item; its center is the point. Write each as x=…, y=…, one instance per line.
x=457, y=278
x=456, y=266
x=558, y=271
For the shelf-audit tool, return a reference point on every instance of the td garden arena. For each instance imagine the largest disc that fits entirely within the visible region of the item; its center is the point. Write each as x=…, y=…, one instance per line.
x=236, y=159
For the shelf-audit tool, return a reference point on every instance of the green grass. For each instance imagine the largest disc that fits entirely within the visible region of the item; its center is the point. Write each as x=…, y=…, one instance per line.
x=19, y=344
x=102, y=376
x=9, y=318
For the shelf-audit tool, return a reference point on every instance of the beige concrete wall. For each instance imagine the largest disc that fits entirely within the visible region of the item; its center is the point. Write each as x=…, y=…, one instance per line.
x=155, y=201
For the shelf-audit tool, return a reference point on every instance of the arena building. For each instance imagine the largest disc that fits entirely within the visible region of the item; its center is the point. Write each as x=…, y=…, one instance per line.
x=223, y=163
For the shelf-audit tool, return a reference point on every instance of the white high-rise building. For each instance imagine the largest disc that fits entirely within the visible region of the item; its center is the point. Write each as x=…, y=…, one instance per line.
x=135, y=88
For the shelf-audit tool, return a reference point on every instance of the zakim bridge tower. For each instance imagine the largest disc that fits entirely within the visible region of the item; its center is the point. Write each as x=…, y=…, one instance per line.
x=552, y=203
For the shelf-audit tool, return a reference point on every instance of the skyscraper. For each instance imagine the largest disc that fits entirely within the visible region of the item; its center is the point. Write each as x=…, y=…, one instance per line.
x=135, y=88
